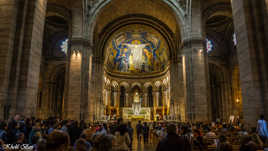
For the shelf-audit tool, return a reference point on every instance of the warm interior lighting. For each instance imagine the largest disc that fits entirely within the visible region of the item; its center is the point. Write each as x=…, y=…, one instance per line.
x=76, y=55
x=237, y=101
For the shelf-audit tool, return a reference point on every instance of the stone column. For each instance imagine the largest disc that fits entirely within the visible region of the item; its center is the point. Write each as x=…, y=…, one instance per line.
x=127, y=103
x=251, y=30
x=156, y=99
x=7, y=32
x=85, y=79
x=108, y=101
x=31, y=57
x=76, y=101
x=177, y=84
x=73, y=101
x=13, y=20
x=115, y=98
x=145, y=99
x=91, y=88
x=95, y=86
x=116, y=102
x=195, y=66
x=197, y=105
x=165, y=101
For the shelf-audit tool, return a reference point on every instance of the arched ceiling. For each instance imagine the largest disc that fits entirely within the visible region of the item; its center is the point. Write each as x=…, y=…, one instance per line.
x=58, y=17
x=64, y=3
x=119, y=8
x=218, y=22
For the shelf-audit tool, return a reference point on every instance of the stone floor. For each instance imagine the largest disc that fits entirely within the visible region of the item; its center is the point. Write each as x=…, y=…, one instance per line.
x=140, y=146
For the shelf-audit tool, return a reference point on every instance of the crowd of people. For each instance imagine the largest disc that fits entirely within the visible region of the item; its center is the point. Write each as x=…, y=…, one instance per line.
x=54, y=134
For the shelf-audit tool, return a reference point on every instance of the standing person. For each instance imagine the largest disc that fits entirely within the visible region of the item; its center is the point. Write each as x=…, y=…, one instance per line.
x=262, y=129
x=36, y=129
x=3, y=131
x=74, y=132
x=13, y=129
x=145, y=132
x=58, y=141
x=173, y=142
x=64, y=127
x=122, y=139
x=130, y=133
x=139, y=130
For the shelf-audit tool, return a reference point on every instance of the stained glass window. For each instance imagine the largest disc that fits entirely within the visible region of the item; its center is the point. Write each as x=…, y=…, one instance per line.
x=209, y=45
x=64, y=45
x=234, y=39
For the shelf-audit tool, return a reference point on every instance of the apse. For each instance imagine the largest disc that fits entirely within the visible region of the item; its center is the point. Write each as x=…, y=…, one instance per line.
x=137, y=50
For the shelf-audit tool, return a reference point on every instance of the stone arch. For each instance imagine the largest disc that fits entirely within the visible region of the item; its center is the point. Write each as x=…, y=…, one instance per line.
x=53, y=100
x=58, y=10
x=124, y=84
x=220, y=100
x=177, y=11
x=136, y=84
x=147, y=85
x=223, y=9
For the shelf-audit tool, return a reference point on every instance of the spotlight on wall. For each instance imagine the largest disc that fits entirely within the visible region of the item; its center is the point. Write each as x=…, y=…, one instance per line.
x=237, y=101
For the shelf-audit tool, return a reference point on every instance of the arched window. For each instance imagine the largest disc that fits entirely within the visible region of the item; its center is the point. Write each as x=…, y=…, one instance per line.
x=64, y=45
x=122, y=96
x=150, y=96
x=234, y=39
x=160, y=98
x=112, y=96
x=209, y=45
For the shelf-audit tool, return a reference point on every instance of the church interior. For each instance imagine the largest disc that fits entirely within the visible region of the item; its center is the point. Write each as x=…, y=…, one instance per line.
x=149, y=60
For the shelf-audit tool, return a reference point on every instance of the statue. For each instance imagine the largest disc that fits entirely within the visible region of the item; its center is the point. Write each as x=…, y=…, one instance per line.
x=136, y=98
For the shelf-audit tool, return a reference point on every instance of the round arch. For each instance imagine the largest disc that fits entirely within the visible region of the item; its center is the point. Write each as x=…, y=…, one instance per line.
x=178, y=16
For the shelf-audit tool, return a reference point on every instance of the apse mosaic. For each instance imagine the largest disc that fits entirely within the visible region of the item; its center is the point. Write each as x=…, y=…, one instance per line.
x=136, y=52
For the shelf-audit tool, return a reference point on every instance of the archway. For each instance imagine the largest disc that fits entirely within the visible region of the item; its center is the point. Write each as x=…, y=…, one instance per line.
x=117, y=41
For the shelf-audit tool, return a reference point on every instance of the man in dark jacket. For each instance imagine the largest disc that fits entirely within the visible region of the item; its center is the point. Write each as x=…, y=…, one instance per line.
x=12, y=129
x=139, y=130
x=145, y=131
x=173, y=142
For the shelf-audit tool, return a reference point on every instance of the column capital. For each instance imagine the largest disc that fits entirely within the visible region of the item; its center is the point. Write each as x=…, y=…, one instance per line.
x=79, y=41
x=189, y=43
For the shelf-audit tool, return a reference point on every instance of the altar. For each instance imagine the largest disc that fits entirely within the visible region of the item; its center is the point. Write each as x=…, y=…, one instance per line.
x=136, y=111
x=144, y=114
